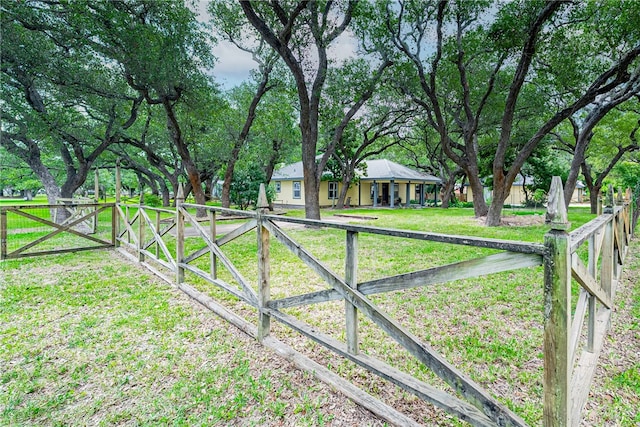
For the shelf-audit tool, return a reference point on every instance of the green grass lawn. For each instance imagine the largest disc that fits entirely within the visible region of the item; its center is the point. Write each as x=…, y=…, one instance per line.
x=90, y=339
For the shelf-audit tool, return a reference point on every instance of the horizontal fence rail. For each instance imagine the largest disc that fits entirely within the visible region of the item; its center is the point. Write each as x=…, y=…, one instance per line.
x=201, y=241
x=470, y=402
x=52, y=229
x=569, y=363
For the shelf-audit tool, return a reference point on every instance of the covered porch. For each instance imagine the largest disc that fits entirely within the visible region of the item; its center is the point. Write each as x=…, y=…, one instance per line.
x=394, y=185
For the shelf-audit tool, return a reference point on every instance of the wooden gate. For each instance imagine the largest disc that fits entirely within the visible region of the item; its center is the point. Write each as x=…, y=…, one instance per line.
x=33, y=230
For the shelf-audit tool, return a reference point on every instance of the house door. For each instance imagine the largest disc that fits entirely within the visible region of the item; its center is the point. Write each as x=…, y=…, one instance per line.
x=385, y=193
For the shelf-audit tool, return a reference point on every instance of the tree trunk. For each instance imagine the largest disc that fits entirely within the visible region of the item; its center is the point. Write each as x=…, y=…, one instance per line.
x=228, y=173
x=501, y=187
x=311, y=175
x=311, y=191
x=594, y=192
x=574, y=172
x=192, y=171
x=346, y=180
x=447, y=190
x=164, y=191
x=479, y=204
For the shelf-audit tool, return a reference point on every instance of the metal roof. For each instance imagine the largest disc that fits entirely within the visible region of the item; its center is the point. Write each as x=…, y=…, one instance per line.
x=381, y=169
x=384, y=169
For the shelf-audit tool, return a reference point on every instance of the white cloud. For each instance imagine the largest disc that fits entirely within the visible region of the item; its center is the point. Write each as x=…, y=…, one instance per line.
x=233, y=65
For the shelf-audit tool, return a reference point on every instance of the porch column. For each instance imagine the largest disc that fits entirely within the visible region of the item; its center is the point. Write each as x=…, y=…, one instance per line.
x=435, y=196
x=375, y=194
x=422, y=195
x=408, y=194
x=392, y=196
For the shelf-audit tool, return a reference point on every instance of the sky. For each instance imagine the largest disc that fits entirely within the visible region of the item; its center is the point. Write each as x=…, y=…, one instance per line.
x=233, y=65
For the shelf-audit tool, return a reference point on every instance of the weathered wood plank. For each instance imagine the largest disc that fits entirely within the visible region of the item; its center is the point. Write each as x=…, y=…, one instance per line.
x=617, y=245
x=150, y=256
x=213, y=261
x=586, y=367
x=490, y=264
x=141, y=232
x=264, y=267
x=439, y=398
x=179, y=236
x=128, y=224
x=351, y=278
x=249, y=292
x=503, y=245
x=557, y=312
x=124, y=243
x=577, y=322
x=343, y=386
x=68, y=228
x=13, y=255
x=457, y=271
x=462, y=384
x=582, y=276
x=3, y=234
x=581, y=234
x=79, y=205
x=220, y=283
x=157, y=272
x=227, y=211
x=241, y=230
x=157, y=238
x=197, y=254
x=606, y=264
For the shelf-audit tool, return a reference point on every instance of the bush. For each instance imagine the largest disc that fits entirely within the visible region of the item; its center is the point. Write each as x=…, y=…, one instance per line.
x=152, y=200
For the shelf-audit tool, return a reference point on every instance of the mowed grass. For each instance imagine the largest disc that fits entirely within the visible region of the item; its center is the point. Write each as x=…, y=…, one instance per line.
x=490, y=328
x=89, y=339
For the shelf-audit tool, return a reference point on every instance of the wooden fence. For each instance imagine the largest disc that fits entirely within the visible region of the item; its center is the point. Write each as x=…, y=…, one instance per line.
x=569, y=363
x=592, y=255
x=73, y=227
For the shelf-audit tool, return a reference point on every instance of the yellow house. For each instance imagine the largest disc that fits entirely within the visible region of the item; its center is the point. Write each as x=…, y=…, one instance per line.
x=386, y=183
x=516, y=193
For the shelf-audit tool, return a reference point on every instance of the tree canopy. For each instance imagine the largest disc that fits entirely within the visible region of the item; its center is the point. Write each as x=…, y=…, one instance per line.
x=473, y=91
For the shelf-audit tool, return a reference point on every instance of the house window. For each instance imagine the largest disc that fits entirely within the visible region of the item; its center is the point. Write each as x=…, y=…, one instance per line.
x=278, y=186
x=296, y=189
x=333, y=190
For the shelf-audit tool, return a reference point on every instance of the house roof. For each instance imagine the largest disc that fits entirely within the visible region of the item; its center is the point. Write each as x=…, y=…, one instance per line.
x=382, y=169
x=291, y=171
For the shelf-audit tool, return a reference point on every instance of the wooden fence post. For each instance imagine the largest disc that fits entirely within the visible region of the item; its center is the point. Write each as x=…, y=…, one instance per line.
x=96, y=191
x=118, y=181
x=115, y=217
x=141, y=226
x=158, y=224
x=607, y=269
x=3, y=234
x=557, y=311
x=115, y=223
x=96, y=186
x=264, y=267
x=213, y=259
x=351, y=278
x=179, y=235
